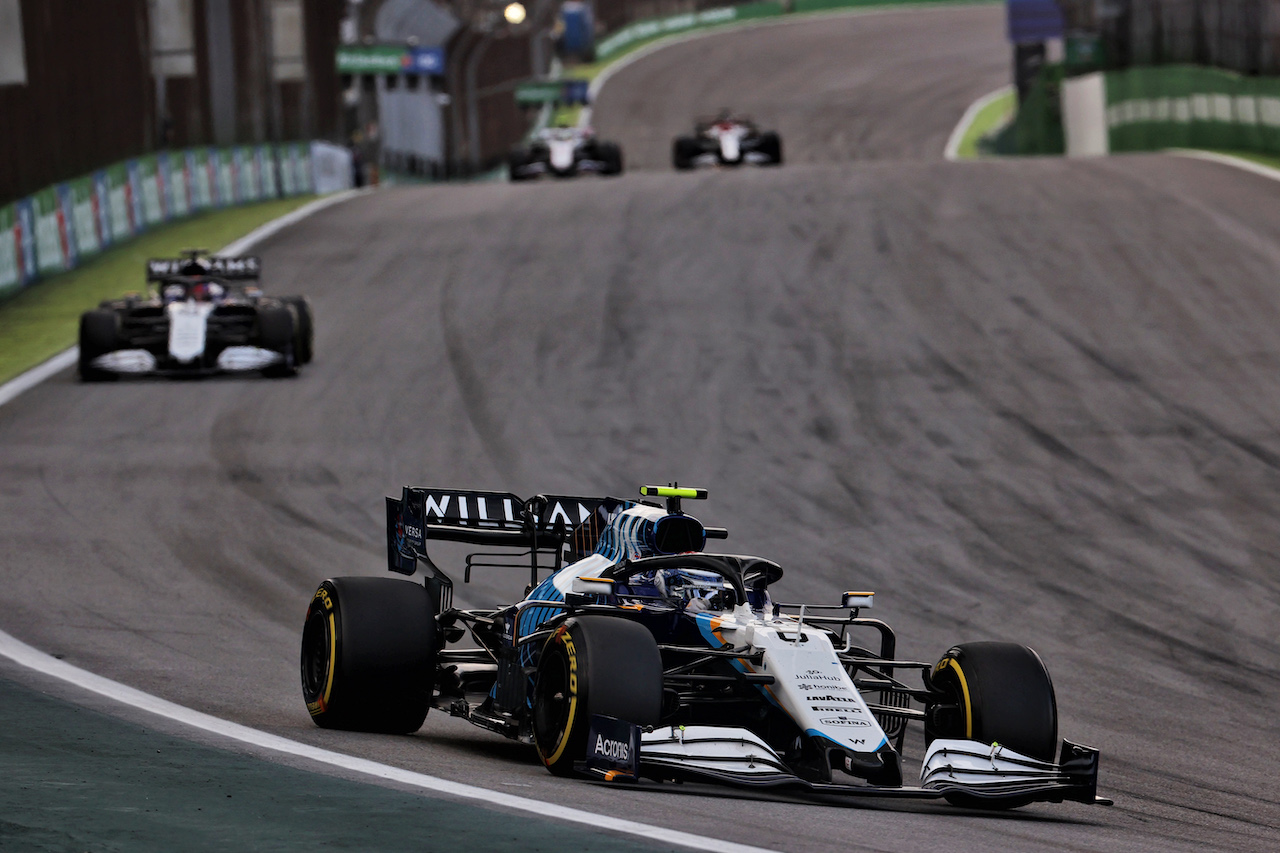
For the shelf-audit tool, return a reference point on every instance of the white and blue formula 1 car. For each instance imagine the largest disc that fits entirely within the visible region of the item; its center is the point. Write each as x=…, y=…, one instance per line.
x=204, y=315
x=643, y=657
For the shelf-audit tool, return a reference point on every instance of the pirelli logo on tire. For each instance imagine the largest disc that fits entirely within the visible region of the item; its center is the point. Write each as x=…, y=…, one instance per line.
x=564, y=638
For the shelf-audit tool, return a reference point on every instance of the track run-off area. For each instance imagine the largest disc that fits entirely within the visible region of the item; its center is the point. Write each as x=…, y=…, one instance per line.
x=1029, y=399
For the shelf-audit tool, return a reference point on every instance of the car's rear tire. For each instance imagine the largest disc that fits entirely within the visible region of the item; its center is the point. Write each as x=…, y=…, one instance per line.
x=369, y=653
x=771, y=146
x=684, y=151
x=276, y=333
x=99, y=335
x=304, y=327
x=516, y=161
x=592, y=665
x=994, y=693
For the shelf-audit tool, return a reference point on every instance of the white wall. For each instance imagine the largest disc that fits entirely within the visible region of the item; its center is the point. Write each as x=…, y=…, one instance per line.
x=1084, y=115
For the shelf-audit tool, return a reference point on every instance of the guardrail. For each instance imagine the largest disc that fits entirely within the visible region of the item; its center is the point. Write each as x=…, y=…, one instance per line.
x=59, y=227
x=646, y=30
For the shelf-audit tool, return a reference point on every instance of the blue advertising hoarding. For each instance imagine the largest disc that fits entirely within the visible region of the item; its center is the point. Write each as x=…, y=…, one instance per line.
x=1034, y=21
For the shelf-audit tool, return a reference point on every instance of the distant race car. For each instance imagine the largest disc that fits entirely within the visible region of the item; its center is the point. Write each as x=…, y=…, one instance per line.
x=205, y=315
x=642, y=657
x=727, y=141
x=564, y=152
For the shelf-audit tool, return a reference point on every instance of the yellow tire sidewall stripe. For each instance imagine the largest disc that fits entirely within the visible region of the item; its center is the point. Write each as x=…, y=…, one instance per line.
x=954, y=665
x=567, y=640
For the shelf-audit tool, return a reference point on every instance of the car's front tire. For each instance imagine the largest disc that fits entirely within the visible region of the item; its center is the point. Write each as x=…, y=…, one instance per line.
x=304, y=327
x=771, y=146
x=369, y=652
x=994, y=693
x=99, y=335
x=684, y=151
x=610, y=155
x=276, y=332
x=591, y=665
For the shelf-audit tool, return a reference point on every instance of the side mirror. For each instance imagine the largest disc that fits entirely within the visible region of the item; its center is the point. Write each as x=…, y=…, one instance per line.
x=856, y=600
x=592, y=586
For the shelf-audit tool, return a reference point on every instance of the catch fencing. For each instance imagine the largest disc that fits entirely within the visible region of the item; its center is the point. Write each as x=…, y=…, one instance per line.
x=61, y=226
x=1238, y=35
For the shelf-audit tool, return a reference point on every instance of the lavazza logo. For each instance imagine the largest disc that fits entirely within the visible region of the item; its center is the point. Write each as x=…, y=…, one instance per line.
x=829, y=698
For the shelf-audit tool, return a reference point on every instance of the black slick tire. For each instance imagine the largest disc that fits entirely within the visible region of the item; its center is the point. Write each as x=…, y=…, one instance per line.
x=611, y=155
x=771, y=146
x=99, y=335
x=369, y=654
x=276, y=333
x=304, y=327
x=995, y=693
x=683, y=152
x=592, y=665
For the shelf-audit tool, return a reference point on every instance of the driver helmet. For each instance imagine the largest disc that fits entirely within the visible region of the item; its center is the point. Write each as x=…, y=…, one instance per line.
x=699, y=590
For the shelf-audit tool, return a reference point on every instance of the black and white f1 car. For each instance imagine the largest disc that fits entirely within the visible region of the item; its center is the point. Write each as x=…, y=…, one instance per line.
x=205, y=315
x=564, y=152
x=642, y=656
x=727, y=141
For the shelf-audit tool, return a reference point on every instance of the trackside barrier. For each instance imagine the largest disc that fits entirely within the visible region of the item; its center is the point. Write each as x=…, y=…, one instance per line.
x=58, y=228
x=652, y=28
x=1178, y=106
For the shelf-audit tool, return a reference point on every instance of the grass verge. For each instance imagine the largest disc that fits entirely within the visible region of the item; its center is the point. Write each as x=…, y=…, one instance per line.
x=987, y=123
x=43, y=320
x=1271, y=161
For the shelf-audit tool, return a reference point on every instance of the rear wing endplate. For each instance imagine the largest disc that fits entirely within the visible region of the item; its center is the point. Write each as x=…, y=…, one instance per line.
x=563, y=526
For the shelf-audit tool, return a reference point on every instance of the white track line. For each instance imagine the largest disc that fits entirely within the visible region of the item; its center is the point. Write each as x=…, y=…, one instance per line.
x=1227, y=160
x=27, y=656
x=67, y=358
x=952, y=151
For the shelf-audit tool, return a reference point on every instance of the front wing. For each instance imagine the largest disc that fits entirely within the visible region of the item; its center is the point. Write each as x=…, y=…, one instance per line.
x=971, y=769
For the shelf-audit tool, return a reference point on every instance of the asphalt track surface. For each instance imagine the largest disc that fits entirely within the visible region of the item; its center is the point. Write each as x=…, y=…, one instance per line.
x=1032, y=400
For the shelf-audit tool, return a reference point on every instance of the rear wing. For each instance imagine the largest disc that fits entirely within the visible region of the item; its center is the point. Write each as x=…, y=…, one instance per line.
x=554, y=528
x=245, y=268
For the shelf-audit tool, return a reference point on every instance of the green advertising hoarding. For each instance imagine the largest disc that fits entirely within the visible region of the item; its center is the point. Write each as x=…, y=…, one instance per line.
x=1192, y=107
x=84, y=218
x=10, y=279
x=50, y=251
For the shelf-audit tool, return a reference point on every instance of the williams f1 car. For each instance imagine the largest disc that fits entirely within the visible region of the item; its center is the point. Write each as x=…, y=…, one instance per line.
x=564, y=152
x=205, y=315
x=641, y=656
x=727, y=141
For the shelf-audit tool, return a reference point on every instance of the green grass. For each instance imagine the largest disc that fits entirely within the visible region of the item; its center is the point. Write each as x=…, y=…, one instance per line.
x=43, y=320
x=987, y=123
